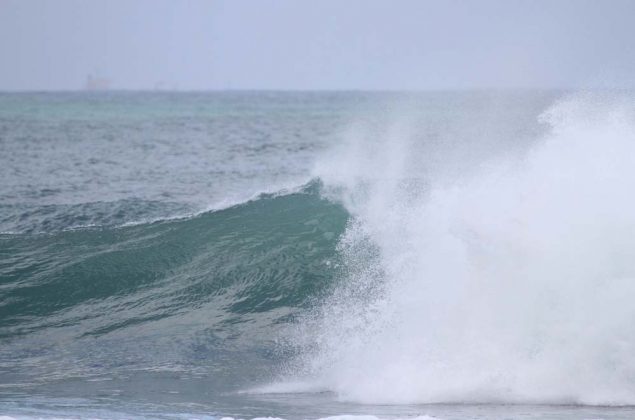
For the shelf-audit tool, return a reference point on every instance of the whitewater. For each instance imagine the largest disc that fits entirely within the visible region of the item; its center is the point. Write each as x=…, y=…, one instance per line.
x=350, y=256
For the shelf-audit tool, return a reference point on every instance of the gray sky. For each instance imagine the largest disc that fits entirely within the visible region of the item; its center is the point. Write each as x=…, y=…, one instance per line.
x=317, y=44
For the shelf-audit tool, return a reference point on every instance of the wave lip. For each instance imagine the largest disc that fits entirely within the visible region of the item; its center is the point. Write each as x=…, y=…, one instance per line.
x=51, y=218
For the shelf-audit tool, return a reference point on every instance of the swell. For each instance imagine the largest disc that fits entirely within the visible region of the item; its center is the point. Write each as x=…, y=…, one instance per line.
x=269, y=255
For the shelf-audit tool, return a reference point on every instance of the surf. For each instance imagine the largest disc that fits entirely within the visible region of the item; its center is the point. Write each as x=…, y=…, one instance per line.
x=508, y=279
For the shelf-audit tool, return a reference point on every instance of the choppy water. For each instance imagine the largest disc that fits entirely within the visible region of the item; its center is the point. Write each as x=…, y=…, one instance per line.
x=306, y=255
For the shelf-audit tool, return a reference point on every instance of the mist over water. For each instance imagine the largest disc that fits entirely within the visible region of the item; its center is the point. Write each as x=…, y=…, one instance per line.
x=506, y=278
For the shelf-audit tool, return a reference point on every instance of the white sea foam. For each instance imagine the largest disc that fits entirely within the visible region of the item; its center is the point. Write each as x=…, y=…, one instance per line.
x=346, y=417
x=515, y=282
x=197, y=417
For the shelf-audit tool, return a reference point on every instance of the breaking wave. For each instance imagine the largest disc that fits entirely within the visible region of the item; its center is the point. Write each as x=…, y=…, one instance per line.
x=513, y=280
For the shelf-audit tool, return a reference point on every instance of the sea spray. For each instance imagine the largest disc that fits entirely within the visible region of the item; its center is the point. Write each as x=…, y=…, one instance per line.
x=514, y=282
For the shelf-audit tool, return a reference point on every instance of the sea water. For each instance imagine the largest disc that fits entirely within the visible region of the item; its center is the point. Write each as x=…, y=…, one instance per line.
x=454, y=255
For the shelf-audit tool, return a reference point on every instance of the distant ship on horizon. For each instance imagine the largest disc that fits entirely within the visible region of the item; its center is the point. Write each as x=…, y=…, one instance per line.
x=97, y=83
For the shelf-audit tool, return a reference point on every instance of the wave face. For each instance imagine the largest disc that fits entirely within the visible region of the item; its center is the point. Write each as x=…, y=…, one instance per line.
x=201, y=296
x=510, y=280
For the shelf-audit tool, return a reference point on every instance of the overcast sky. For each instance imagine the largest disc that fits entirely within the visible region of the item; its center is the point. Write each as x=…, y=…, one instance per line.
x=317, y=44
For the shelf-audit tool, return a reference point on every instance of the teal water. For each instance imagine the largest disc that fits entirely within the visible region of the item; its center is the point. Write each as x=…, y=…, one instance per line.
x=200, y=255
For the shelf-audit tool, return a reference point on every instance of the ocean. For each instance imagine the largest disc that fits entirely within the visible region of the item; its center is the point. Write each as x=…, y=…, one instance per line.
x=305, y=255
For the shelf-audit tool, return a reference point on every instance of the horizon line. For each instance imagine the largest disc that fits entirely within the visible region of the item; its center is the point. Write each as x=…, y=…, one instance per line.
x=308, y=90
